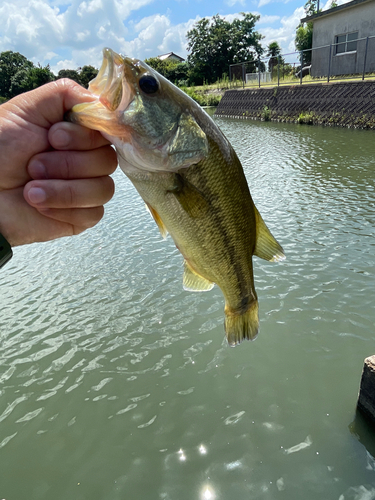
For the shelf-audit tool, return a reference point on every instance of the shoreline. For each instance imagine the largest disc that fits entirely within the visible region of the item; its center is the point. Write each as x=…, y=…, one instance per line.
x=344, y=104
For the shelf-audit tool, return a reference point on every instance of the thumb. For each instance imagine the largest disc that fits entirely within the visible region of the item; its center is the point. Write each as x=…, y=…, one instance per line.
x=48, y=104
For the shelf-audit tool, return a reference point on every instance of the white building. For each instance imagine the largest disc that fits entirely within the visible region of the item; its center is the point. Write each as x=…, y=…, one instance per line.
x=171, y=55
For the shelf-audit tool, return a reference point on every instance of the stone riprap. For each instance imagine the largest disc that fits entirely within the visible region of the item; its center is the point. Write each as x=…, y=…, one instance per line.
x=349, y=104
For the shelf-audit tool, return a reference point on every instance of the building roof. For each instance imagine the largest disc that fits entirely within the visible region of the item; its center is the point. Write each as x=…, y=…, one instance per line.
x=172, y=55
x=328, y=12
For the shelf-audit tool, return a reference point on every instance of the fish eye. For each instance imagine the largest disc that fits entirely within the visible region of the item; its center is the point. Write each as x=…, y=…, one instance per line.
x=148, y=84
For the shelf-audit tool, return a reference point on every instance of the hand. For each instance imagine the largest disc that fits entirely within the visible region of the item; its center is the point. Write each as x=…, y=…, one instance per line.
x=54, y=175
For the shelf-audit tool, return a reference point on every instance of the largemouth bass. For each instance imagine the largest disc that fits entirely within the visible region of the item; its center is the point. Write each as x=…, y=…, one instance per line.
x=190, y=179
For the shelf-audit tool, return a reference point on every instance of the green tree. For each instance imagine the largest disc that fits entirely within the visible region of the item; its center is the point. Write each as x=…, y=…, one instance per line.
x=303, y=42
x=273, y=52
x=10, y=64
x=304, y=32
x=86, y=74
x=157, y=64
x=175, y=71
x=215, y=43
x=30, y=78
x=311, y=7
x=40, y=75
x=69, y=73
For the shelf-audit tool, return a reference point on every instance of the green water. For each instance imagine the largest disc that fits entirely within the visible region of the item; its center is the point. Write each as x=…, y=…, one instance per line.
x=115, y=383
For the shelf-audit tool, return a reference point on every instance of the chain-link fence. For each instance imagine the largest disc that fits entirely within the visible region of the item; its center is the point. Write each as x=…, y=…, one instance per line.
x=347, y=58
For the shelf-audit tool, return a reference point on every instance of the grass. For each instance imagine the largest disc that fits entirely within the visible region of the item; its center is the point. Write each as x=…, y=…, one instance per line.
x=306, y=117
x=202, y=97
x=266, y=114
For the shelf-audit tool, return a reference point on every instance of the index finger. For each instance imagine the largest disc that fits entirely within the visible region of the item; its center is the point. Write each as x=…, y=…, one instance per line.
x=66, y=136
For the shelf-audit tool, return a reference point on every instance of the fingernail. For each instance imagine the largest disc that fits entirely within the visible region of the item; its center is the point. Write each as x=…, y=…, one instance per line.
x=36, y=195
x=60, y=139
x=37, y=170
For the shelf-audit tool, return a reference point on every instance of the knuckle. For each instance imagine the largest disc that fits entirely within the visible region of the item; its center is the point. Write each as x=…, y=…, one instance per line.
x=67, y=166
x=93, y=138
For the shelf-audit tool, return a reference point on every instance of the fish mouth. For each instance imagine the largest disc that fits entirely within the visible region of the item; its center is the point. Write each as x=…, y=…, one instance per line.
x=113, y=94
x=108, y=83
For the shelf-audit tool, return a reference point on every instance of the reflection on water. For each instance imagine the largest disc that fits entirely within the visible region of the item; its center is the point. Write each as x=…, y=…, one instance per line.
x=116, y=383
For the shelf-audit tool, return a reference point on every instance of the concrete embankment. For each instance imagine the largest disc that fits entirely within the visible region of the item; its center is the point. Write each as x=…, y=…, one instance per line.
x=348, y=104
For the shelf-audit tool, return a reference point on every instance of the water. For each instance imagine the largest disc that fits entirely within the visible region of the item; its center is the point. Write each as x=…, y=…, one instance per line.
x=115, y=383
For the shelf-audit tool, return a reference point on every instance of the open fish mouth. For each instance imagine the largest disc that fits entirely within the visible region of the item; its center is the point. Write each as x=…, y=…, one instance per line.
x=108, y=84
x=114, y=94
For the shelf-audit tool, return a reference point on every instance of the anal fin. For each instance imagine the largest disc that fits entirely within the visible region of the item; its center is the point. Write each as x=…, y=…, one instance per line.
x=266, y=247
x=157, y=219
x=194, y=282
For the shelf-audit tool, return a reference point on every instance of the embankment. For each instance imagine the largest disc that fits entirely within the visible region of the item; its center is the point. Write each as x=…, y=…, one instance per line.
x=348, y=104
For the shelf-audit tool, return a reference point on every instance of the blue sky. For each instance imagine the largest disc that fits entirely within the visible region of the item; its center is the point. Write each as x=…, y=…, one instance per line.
x=72, y=33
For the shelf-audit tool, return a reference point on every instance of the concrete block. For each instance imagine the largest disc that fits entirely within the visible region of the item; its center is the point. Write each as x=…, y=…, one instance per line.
x=366, y=398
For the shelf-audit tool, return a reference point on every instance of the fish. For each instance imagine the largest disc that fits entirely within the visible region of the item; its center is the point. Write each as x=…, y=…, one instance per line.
x=190, y=179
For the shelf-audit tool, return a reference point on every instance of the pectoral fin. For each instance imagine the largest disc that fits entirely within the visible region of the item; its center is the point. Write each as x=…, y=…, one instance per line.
x=194, y=282
x=189, y=144
x=191, y=199
x=157, y=219
x=266, y=247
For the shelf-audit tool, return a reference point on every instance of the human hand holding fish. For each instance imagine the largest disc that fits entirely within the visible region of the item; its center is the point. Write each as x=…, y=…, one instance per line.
x=54, y=175
x=190, y=178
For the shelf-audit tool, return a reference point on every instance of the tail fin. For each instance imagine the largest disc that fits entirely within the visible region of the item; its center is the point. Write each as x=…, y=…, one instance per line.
x=241, y=326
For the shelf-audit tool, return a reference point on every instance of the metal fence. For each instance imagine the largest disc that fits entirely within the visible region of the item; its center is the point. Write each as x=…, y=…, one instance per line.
x=342, y=60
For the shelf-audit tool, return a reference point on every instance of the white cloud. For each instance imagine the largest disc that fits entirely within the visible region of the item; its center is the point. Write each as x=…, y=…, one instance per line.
x=89, y=7
x=174, y=39
x=233, y=2
x=31, y=27
x=285, y=34
x=149, y=26
x=75, y=35
x=263, y=2
x=267, y=19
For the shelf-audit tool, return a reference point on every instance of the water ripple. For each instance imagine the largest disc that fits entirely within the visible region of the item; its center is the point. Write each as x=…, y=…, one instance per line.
x=134, y=373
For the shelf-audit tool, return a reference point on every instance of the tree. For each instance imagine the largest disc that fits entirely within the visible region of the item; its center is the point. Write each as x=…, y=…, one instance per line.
x=30, y=78
x=87, y=74
x=215, y=43
x=175, y=71
x=69, y=73
x=273, y=52
x=10, y=64
x=311, y=7
x=303, y=42
x=304, y=33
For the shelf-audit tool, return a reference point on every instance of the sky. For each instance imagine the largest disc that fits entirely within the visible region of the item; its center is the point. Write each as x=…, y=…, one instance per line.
x=67, y=34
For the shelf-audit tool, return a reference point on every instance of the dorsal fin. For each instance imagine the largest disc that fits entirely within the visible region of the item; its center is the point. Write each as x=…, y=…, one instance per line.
x=266, y=247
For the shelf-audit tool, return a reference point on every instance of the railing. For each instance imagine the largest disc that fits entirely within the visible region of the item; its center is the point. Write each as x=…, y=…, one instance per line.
x=334, y=62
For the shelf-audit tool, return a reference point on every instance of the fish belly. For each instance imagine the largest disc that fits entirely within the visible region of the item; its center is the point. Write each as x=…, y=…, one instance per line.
x=209, y=213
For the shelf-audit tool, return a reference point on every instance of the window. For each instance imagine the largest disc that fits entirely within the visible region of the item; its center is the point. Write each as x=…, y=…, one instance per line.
x=346, y=43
